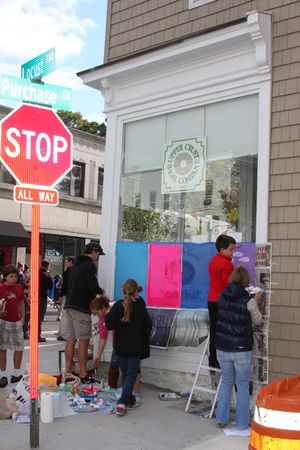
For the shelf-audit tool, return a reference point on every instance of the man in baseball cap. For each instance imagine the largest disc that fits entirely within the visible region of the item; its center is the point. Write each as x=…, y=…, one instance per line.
x=93, y=246
x=83, y=286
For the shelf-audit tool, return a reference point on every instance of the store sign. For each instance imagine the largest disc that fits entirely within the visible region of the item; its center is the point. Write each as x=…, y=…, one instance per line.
x=53, y=256
x=184, y=166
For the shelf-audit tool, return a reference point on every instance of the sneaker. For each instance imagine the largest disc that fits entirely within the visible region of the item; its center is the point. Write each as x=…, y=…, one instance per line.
x=42, y=339
x=88, y=380
x=61, y=338
x=3, y=382
x=121, y=410
x=134, y=405
x=16, y=379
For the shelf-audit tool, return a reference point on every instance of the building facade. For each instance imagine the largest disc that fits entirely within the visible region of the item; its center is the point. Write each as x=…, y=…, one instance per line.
x=64, y=229
x=210, y=87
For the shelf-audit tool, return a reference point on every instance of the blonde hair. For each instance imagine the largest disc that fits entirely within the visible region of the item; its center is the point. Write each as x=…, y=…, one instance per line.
x=240, y=276
x=130, y=287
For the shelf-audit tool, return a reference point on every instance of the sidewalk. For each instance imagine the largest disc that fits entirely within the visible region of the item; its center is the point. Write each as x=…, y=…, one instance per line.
x=155, y=425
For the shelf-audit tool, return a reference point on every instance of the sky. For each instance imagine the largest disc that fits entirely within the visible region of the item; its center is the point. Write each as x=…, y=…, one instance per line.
x=76, y=28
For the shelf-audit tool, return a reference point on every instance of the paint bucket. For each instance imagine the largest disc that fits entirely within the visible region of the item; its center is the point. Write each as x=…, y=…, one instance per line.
x=276, y=422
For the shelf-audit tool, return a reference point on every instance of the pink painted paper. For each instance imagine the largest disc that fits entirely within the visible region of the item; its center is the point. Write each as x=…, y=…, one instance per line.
x=164, y=275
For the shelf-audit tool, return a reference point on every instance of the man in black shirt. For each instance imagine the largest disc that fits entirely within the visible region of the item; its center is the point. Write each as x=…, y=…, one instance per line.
x=83, y=286
x=45, y=283
x=63, y=327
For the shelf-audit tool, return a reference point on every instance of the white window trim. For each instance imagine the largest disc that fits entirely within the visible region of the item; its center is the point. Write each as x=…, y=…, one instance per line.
x=224, y=64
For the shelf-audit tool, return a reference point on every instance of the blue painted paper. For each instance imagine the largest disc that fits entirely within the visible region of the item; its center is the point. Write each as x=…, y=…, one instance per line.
x=195, y=278
x=131, y=262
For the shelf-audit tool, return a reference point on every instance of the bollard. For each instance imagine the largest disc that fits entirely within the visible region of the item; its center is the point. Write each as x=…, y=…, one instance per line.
x=276, y=422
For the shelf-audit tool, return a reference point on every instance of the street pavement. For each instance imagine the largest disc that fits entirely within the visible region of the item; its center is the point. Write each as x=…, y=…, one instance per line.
x=155, y=425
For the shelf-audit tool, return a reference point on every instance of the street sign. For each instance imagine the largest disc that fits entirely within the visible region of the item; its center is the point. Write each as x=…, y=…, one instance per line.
x=18, y=90
x=36, y=196
x=35, y=146
x=39, y=66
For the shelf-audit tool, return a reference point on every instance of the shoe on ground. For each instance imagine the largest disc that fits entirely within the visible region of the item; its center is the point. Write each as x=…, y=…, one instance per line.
x=121, y=410
x=221, y=425
x=134, y=405
x=88, y=380
x=42, y=339
x=61, y=338
x=16, y=379
x=3, y=382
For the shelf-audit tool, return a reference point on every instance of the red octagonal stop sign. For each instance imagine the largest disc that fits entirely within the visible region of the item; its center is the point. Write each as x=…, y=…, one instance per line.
x=36, y=146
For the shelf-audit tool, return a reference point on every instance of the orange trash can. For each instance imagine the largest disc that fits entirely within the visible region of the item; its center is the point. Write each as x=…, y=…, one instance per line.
x=276, y=422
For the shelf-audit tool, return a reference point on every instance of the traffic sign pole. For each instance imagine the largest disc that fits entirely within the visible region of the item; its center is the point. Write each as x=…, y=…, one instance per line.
x=34, y=326
x=36, y=148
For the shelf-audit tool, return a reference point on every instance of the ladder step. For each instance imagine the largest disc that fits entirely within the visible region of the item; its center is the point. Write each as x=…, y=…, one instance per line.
x=204, y=389
x=211, y=369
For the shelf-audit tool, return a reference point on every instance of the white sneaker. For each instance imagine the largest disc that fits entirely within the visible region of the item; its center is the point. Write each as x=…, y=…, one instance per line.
x=121, y=409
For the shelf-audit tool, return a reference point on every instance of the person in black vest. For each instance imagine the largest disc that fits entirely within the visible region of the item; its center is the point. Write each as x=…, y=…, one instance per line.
x=237, y=311
x=45, y=283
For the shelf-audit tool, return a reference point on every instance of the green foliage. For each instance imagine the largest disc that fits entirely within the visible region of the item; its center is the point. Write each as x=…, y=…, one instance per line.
x=147, y=225
x=75, y=120
x=230, y=197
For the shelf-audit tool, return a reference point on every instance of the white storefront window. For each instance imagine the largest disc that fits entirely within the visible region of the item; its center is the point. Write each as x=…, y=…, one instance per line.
x=226, y=198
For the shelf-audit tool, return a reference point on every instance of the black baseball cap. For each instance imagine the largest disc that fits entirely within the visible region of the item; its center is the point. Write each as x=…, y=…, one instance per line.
x=93, y=246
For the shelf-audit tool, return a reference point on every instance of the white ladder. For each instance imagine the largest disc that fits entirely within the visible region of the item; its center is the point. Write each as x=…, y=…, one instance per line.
x=214, y=392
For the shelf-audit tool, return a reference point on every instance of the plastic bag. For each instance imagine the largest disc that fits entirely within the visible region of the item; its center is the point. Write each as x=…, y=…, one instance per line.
x=20, y=392
x=7, y=407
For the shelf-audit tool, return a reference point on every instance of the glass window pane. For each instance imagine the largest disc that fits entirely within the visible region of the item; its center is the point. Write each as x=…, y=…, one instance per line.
x=78, y=179
x=143, y=143
x=64, y=186
x=231, y=128
x=227, y=200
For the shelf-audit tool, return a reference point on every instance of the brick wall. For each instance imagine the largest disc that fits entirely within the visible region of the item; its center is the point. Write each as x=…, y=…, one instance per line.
x=137, y=25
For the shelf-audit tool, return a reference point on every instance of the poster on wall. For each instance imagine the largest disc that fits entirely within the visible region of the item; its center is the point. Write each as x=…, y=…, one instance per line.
x=184, y=166
x=189, y=328
x=164, y=275
x=162, y=320
x=263, y=265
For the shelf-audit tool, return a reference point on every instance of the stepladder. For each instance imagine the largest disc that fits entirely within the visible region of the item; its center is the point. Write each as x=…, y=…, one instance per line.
x=207, y=379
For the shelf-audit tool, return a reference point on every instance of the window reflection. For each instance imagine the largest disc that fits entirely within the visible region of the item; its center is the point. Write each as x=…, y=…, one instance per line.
x=227, y=200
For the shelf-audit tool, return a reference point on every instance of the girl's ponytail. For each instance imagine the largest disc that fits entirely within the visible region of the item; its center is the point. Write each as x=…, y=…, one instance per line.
x=130, y=287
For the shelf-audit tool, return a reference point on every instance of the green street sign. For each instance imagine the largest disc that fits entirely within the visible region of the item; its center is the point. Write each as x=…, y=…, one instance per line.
x=19, y=90
x=39, y=66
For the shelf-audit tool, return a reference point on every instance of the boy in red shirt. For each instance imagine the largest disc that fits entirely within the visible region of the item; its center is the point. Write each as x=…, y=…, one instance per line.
x=220, y=268
x=12, y=313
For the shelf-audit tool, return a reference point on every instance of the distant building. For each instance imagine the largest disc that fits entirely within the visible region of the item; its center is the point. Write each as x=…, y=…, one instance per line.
x=67, y=227
x=223, y=75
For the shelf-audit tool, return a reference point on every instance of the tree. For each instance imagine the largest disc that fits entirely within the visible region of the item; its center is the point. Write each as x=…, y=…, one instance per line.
x=230, y=197
x=147, y=225
x=77, y=121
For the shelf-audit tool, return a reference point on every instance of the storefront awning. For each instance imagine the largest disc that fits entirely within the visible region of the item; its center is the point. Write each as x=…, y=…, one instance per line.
x=13, y=233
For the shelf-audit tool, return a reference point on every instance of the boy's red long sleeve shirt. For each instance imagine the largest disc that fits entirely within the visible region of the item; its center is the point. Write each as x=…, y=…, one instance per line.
x=220, y=269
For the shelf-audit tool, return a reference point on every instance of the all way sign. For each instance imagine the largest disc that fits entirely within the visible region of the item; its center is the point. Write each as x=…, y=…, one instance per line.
x=35, y=195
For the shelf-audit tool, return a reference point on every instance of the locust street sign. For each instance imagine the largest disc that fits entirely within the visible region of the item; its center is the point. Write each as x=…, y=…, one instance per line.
x=39, y=66
x=35, y=146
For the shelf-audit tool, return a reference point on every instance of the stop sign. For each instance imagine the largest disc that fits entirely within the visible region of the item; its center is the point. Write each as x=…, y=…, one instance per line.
x=35, y=145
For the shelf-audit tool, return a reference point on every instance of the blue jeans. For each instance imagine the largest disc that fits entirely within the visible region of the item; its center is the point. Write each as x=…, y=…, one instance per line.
x=129, y=368
x=236, y=369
